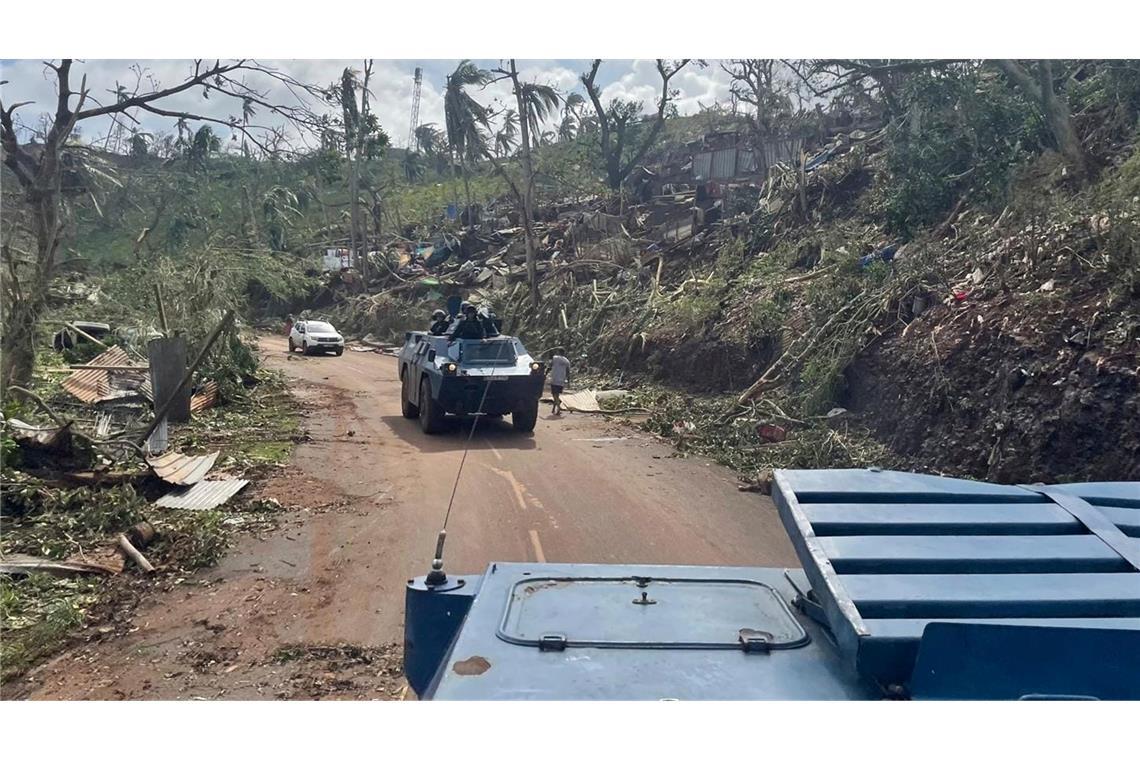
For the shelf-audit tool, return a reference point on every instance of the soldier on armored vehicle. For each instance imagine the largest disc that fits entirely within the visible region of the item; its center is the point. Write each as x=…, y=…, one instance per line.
x=470, y=369
x=439, y=322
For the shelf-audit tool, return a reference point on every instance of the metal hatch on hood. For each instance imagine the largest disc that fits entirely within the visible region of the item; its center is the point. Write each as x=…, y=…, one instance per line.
x=648, y=613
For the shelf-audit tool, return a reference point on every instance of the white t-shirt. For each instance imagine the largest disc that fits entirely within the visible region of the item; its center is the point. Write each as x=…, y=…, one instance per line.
x=559, y=370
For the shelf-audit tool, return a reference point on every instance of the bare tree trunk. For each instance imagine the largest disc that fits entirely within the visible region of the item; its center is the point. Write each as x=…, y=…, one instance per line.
x=18, y=343
x=1055, y=110
x=354, y=235
x=528, y=191
x=467, y=192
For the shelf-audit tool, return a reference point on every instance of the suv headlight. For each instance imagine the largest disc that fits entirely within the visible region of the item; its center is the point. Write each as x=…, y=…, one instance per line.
x=535, y=368
x=449, y=368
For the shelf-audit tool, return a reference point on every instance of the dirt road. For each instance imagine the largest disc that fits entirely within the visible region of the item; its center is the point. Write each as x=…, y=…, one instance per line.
x=315, y=608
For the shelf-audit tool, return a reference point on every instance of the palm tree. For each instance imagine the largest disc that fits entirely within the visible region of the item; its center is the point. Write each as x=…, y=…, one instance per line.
x=541, y=100
x=465, y=118
x=571, y=116
x=279, y=206
x=427, y=139
x=412, y=165
x=507, y=137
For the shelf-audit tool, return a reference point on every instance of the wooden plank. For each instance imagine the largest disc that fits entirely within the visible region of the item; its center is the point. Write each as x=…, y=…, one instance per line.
x=972, y=554
x=996, y=595
x=850, y=519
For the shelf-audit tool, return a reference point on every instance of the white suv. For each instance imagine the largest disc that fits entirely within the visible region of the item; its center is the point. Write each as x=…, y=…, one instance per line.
x=313, y=336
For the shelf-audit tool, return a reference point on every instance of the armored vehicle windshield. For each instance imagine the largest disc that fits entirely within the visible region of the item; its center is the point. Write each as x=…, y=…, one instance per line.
x=496, y=351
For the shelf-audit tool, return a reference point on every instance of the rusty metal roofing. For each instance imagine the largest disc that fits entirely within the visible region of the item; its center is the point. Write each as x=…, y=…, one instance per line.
x=93, y=385
x=206, y=494
x=205, y=398
x=181, y=469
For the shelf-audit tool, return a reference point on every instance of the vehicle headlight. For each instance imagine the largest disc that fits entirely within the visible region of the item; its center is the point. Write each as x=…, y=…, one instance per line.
x=536, y=366
x=450, y=368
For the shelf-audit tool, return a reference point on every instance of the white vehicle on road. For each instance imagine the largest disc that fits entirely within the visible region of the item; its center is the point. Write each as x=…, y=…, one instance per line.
x=314, y=336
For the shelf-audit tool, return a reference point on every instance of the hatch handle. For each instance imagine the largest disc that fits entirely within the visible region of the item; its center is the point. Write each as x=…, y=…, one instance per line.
x=551, y=642
x=755, y=641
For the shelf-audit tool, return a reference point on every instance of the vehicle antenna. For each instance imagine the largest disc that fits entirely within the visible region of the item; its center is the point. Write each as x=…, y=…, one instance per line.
x=437, y=576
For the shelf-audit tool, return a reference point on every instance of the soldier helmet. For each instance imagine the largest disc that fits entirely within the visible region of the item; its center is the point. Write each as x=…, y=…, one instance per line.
x=438, y=314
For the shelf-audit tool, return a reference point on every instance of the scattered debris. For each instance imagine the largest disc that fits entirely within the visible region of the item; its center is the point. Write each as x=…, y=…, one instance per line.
x=23, y=564
x=134, y=554
x=771, y=433
x=181, y=469
x=206, y=494
x=93, y=385
x=54, y=439
x=205, y=398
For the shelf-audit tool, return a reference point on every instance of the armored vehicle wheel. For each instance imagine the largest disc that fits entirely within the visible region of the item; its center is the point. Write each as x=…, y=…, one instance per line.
x=431, y=416
x=339, y=351
x=407, y=408
x=525, y=416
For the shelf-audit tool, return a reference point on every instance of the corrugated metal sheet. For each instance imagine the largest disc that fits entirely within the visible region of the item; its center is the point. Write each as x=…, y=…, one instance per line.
x=578, y=401
x=159, y=439
x=745, y=162
x=204, y=495
x=724, y=164
x=94, y=385
x=702, y=166
x=205, y=398
x=781, y=152
x=91, y=385
x=180, y=469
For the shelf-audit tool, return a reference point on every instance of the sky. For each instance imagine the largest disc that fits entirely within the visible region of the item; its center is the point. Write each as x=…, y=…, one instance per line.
x=30, y=80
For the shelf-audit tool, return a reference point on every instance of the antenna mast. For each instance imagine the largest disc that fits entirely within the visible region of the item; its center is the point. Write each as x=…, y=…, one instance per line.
x=415, y=108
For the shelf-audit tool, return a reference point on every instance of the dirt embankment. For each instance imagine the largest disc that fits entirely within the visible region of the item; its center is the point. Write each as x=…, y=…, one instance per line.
x=1018, y=388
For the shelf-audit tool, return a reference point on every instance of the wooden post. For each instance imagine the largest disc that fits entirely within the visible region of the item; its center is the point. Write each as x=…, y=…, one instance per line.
x=161, y=310
x=167, y=366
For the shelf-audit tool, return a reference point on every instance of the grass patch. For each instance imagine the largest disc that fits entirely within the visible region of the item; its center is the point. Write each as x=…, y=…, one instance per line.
x=38, y=613
x=255, y=431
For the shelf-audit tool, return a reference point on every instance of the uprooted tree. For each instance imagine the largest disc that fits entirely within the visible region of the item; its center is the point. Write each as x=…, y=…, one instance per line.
x=623, y=144
x=42, y=167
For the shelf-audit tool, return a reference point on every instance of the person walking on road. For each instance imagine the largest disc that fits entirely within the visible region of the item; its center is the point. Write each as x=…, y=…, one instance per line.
x=559, y=379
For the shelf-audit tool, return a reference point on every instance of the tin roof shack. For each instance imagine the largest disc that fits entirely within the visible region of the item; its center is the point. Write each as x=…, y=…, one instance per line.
x=722, y=158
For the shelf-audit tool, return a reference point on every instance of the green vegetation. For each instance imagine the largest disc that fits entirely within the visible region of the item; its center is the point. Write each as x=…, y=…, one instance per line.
x=38, y=613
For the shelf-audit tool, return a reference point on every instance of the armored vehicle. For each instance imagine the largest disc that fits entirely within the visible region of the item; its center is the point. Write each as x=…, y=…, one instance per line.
x=911, y=587
x=442, y=374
